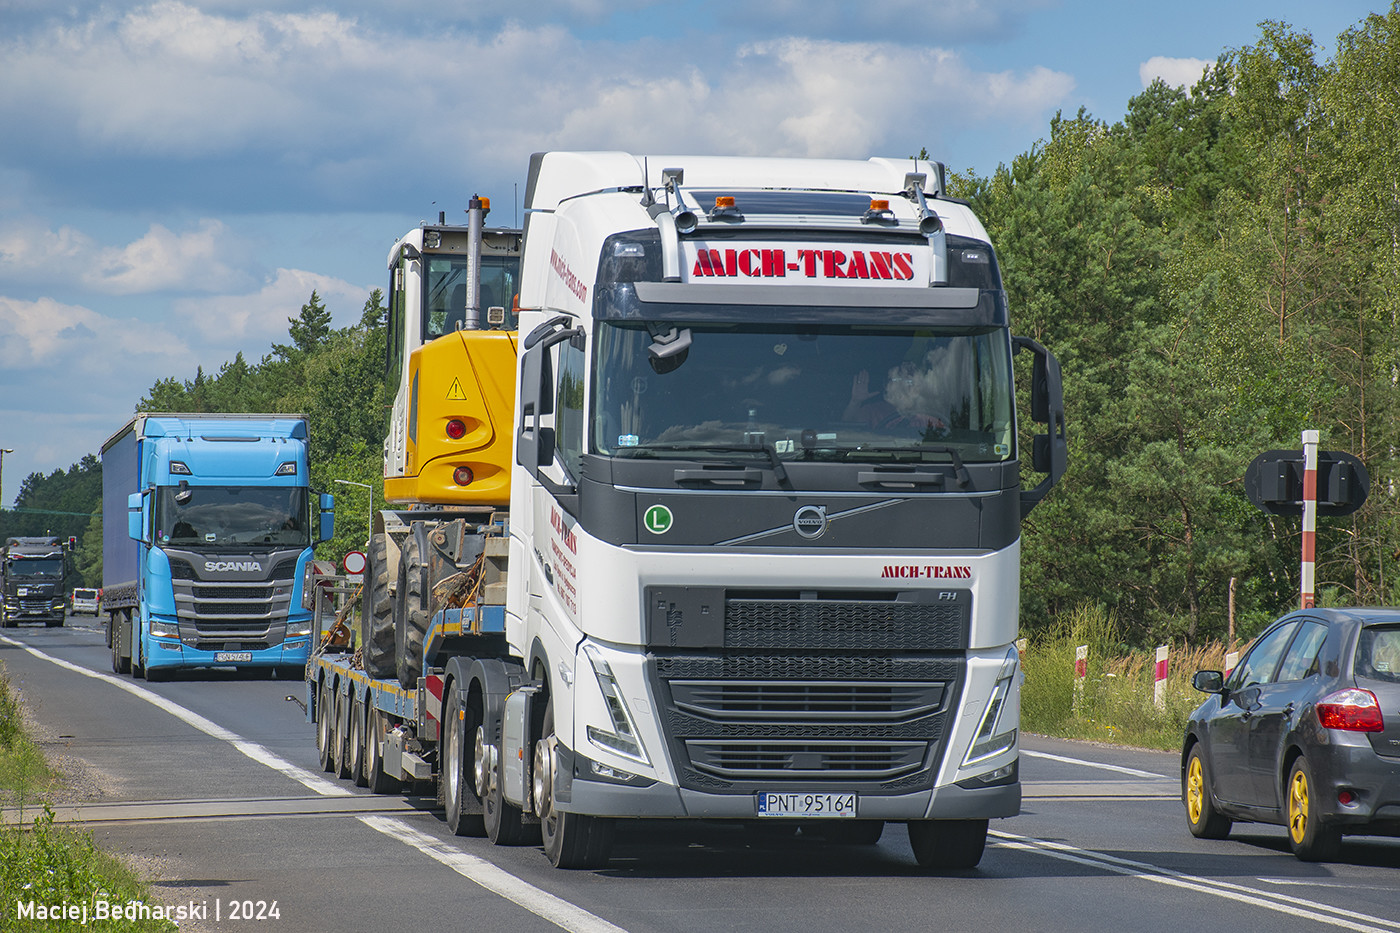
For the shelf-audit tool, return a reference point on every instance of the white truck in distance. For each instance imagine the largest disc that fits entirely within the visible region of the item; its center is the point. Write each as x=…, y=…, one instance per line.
x=762, y=552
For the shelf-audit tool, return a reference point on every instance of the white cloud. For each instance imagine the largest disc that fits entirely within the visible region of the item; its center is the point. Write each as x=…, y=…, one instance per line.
x=1174, y=72
x=164, y=261
x=252, y=322
x=35, y=335
x=326, y=99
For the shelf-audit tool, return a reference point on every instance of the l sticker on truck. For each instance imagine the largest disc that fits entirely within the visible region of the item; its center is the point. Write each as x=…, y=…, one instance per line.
x=658, y=519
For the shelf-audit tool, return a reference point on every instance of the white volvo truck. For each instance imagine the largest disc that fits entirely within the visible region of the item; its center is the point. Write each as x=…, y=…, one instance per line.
x=761, y=556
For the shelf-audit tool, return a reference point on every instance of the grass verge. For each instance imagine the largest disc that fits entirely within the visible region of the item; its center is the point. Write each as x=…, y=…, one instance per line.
x=45, y=867
x=1115, y=702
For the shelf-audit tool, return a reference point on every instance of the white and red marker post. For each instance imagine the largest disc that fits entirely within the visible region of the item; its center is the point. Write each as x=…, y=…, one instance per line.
x=1081, y=670
x=1159, y=681
x=1310, y=441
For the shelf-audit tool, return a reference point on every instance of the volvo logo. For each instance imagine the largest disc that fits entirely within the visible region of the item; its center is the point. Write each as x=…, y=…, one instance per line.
x=810, y=521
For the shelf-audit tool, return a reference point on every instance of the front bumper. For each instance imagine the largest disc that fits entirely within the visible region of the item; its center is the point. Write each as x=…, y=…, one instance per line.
x=169, y=652
x=655, y=800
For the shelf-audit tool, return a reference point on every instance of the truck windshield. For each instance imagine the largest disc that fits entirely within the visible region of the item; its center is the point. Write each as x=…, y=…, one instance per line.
x=232, y=515
x=829, y=392
x=45, y=567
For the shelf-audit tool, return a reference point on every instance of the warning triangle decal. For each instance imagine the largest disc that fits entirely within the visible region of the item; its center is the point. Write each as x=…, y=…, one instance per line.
x=455, y=394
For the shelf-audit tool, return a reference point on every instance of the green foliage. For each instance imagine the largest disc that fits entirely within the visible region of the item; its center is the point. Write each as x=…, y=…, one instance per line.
x=46, y=864
x=1216, y=272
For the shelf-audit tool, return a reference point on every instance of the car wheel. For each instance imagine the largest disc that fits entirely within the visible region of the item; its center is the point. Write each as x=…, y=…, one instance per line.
x=1311, y=839
x=1204, y=821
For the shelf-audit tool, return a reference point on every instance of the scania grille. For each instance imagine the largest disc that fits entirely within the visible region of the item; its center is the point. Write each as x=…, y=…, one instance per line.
x=234, y=615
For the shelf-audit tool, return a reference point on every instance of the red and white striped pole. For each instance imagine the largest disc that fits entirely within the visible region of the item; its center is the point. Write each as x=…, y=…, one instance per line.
x=1310, y=440
x=1159, y=681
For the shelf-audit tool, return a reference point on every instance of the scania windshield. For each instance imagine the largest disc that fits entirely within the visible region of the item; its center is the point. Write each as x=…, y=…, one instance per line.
x=804, y=392
x=232, y=515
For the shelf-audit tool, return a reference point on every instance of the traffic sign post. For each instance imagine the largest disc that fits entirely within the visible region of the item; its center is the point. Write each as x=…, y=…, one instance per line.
x=1307, y=482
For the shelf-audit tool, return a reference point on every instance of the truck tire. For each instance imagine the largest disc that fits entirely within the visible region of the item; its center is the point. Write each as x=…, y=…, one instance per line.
x=459, y=798
x=138, y=667
x=847, y=832
x=357, y=742
x=323, y=728
x=502, y=819
x=376, y=778
x=571, y=840
x=377, y=612
x=120, y=665
x=340, y=734
x=412, y=611
x=948, y=844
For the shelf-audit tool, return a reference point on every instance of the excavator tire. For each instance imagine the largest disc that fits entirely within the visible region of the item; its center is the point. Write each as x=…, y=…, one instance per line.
x=377, y=612
x=412, y=610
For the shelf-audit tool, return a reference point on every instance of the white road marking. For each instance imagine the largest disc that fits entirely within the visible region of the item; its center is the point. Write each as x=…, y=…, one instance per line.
x=494, y=879
x=1292, y=906
x=489, y=876
x=1093, y=764
x=253, y=750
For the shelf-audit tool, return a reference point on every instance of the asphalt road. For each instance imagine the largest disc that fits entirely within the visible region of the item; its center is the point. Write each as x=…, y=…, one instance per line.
x=209, y=782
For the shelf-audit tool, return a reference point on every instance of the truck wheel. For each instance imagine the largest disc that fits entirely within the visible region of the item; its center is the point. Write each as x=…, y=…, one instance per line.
x=323, y=728
x=376, y=778
x=357, y=742
x=1311, y=839
x=501, y=819
x=458, y=793
x=411, y=610
x=138, y=668
x=945, y=844
x=571, y=840
x=120, y=665
x=340, y=733
x=377, y=612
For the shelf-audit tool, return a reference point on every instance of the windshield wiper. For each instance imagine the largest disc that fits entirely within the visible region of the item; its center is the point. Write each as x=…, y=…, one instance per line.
x=779, y=472
x=959, y=469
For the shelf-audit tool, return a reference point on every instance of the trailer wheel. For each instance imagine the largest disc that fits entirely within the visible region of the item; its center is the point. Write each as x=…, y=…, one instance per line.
x=340, y=733
x=464, y=816
x=376, y=778
x=411, y=610
x=501, y=818
x=323, y=728
x=357, y=742
x=948, y=844
x=120, y=665
x=571, y=840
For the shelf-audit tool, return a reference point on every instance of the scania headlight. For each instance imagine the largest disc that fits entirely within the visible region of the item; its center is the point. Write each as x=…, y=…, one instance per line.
x=295, y=628
x=990, y=740
x=623, y=739
x=165, y=629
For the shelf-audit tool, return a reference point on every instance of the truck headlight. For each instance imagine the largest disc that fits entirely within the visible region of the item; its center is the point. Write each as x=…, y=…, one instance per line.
x=990, y=741
x=298, y=628
x=165, y=629
x=623, y=739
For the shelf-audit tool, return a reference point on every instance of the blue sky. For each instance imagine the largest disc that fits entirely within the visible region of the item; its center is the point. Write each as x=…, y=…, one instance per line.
x=177, y=176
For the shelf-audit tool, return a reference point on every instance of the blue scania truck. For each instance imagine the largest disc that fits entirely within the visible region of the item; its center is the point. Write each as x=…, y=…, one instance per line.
x=208, y=525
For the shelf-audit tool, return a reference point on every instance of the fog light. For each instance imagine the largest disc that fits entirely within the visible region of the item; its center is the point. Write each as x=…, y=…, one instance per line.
x=462, y=476
x=456, y=429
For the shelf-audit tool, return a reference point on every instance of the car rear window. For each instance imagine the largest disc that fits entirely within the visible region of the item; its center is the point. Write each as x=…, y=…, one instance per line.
x=1378, y=653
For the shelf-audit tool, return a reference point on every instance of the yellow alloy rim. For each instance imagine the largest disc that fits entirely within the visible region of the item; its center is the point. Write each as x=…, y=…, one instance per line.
x=1195, y=790
x=1298, y=806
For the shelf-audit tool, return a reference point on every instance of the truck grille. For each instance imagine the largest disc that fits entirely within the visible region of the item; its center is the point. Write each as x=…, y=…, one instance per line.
x=835, y=690
x=235, y=614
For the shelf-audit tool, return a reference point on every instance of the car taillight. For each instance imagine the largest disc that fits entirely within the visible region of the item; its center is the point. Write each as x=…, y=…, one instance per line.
x=456, y=429
x=1352, y=710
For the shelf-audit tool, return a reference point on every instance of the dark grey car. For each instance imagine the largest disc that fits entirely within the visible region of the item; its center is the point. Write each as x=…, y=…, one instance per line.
x=1304, y=733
